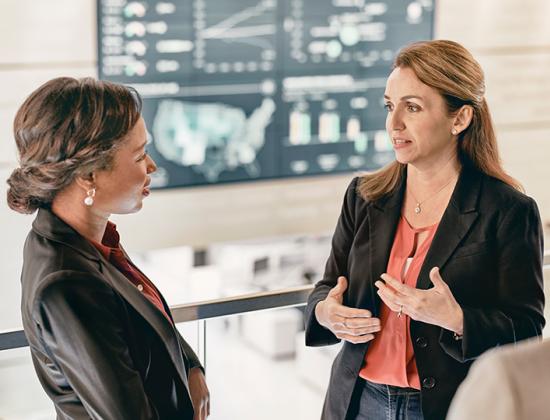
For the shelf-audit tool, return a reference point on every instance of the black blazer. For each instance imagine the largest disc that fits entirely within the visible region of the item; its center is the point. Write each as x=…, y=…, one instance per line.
x=489, y=247
x=100, y=348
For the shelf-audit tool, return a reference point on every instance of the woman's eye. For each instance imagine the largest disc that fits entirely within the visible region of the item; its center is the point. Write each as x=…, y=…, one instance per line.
x=142, y=157
x=388, y=107
x=413, y=108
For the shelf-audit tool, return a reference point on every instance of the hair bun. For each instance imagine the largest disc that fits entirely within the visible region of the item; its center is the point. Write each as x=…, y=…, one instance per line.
x=19, y=196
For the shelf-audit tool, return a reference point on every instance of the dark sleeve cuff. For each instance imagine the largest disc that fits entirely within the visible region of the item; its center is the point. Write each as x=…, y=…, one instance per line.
x=316, y=334
x=453, y=347
x=189, y=354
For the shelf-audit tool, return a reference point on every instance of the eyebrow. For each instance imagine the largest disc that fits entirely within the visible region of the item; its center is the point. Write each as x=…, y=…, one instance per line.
x=137, y=149
x=404, y=98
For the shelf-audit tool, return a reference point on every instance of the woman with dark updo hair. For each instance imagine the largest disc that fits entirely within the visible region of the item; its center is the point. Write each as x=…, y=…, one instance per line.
x=102, y=338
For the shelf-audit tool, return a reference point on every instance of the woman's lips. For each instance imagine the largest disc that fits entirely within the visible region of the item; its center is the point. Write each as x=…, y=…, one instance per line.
x=146, y=189
x=401, y=143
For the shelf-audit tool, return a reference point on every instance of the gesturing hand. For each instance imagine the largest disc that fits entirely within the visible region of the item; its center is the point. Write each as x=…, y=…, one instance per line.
x=435, y=306
x=350, y=324
x=200, y=396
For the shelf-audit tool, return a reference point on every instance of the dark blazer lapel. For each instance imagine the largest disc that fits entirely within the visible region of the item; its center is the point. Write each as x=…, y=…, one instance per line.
x=149, y=311
x=460, y=215
x=164, y=303
x=175, y=351
x=50, y=226
x=383, y=216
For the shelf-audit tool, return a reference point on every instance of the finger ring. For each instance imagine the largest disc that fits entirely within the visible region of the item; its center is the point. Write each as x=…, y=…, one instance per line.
x=400, y=311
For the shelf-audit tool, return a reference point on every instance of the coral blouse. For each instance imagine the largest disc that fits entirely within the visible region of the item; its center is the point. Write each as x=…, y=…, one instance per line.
x=390, y=357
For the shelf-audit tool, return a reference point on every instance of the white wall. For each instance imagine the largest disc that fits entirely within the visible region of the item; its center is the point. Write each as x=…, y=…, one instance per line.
x=48, y=38
x=511, y=40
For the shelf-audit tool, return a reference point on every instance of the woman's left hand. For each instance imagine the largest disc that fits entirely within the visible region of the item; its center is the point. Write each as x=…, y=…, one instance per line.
x=435, y=306
x=200, y=396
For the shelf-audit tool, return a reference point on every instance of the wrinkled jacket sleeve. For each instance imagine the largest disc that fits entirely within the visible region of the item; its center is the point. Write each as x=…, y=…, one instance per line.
x=519, y=288
x=337, y=265
x=188, y=353
x=79, y=319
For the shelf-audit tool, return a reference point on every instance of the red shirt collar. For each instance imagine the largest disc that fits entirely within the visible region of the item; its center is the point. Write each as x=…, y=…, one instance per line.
x=110, y=241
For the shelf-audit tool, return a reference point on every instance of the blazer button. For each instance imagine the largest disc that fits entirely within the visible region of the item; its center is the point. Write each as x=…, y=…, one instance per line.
x=428, y=382
x=140, y=287
x=422, y=342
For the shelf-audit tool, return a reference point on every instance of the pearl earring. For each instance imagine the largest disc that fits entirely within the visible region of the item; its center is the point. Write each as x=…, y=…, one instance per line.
x=89, y=200
x=453, y=131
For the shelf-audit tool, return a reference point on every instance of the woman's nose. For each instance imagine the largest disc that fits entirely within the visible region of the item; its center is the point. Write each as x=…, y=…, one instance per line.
x=395, y=120
x=151, y=165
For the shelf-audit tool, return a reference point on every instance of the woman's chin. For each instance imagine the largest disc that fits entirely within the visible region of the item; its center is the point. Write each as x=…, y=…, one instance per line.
x=402, y=158
x=129, y=209
x=138, y=207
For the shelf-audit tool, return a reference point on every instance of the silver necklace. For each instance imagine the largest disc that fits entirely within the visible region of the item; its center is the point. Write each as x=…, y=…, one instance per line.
x=418, y=207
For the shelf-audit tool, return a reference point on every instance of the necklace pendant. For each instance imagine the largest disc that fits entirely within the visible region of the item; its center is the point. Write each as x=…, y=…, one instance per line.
x=417, y=209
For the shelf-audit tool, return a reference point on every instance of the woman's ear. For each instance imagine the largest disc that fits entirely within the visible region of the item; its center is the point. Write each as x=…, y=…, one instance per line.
x=86, y=182
x=462, y=119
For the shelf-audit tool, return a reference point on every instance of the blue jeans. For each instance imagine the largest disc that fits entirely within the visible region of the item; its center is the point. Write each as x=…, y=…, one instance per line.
x=387, y=402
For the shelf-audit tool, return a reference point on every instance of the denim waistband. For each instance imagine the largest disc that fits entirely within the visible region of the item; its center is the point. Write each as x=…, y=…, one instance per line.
x=392, y=389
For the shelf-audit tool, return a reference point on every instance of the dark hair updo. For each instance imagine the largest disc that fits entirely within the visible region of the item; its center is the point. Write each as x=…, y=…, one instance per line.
x=67, y=128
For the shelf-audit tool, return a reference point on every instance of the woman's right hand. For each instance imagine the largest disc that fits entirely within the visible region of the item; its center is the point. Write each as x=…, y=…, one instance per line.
x=350, y=324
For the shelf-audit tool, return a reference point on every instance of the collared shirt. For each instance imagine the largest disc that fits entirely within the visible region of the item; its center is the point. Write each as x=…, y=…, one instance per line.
x=111, y=250
x=390, y=358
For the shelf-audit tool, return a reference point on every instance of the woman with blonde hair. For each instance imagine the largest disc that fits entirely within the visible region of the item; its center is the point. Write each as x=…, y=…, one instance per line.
x=436, y=257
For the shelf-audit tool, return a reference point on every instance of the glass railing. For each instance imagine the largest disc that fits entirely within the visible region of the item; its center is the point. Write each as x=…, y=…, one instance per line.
x=199, y=311
x=251, y=345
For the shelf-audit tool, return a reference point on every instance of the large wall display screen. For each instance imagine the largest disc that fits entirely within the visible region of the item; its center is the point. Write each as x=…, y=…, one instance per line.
x=238, y=90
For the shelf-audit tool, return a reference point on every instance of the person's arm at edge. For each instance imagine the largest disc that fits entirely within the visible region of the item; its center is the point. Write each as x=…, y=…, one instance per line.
x=487, y=382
